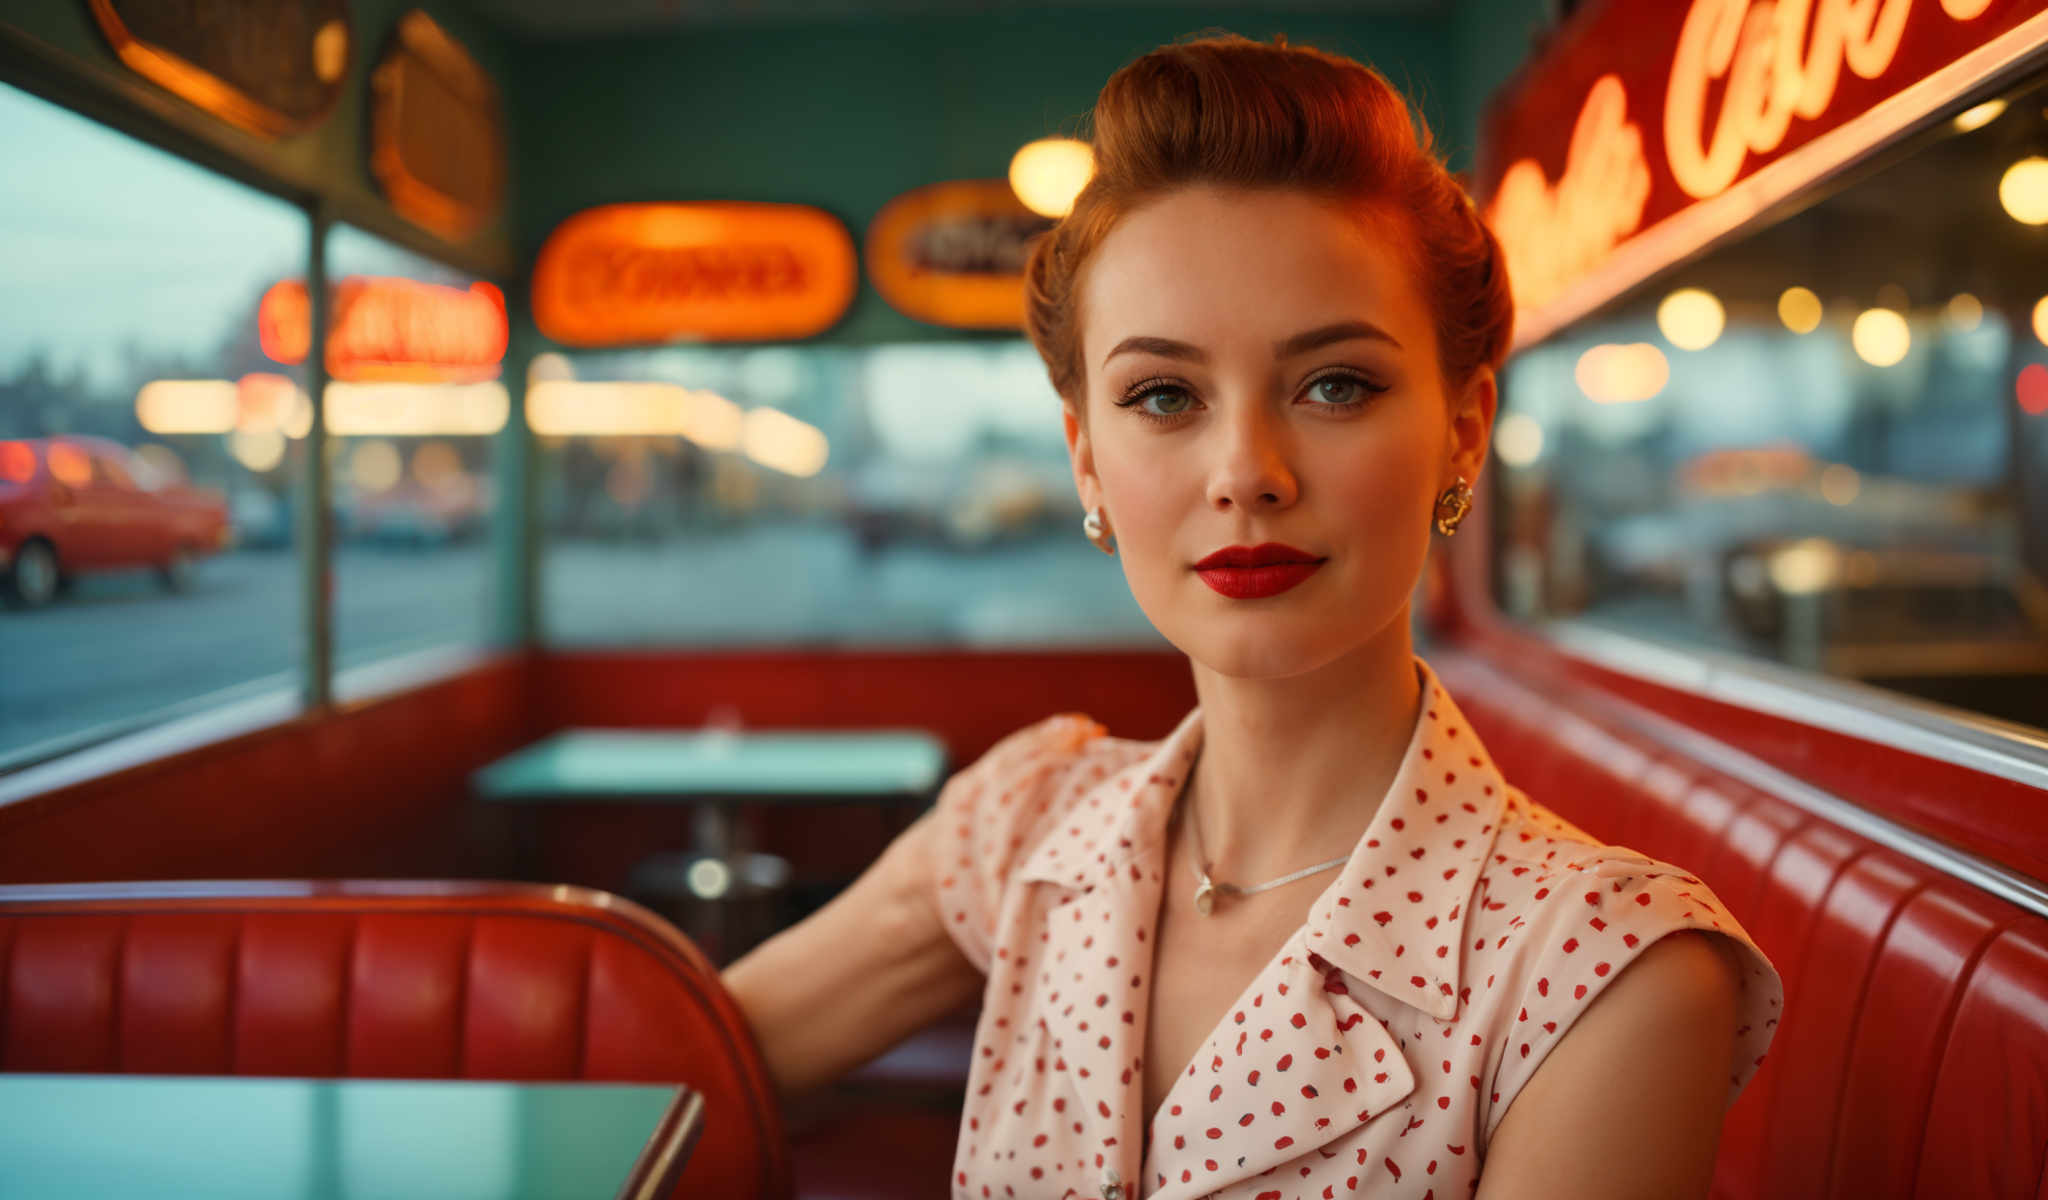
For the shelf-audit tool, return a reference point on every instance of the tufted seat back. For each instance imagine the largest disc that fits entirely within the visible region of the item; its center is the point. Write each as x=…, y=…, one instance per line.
x=1913, y=1057
x=416, y=980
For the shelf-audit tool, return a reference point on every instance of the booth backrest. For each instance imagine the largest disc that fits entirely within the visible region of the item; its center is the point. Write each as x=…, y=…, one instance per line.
x=394, y=979
x=1913, y=1057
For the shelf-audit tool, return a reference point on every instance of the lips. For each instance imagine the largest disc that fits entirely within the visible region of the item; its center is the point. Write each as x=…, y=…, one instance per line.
x=1252, y=572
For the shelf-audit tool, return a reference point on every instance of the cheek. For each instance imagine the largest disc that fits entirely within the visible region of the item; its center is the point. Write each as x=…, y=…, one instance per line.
x=1381, y=485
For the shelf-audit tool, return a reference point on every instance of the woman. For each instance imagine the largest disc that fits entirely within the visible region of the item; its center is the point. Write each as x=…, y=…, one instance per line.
x=1311, y=943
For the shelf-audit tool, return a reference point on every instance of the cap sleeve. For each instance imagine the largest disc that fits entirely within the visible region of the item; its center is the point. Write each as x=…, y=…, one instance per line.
x=1640, y=901
x=988, y=817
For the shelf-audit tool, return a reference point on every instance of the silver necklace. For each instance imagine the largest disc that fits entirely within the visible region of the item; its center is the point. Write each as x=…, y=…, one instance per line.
x=1208, y=889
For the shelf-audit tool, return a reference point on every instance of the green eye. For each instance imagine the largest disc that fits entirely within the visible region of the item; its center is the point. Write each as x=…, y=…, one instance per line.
x=1171, y=402
x=1342, y=391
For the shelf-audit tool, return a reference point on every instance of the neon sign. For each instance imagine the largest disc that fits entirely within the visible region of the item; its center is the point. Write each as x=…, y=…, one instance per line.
x=953, y=253
x=1742, y=82
x=393, y=329
x=635, y=273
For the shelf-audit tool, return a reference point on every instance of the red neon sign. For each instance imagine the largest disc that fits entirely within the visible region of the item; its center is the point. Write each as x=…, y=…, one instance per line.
x=386, y=328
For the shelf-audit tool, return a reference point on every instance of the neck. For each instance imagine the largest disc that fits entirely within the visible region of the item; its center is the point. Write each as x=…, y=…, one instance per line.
x=1292, y=770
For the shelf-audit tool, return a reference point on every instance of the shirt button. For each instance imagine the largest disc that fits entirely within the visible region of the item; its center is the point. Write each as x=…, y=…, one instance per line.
x=1112, y=1187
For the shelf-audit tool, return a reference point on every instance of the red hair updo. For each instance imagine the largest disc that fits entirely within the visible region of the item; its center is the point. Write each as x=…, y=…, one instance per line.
x=1231, y=111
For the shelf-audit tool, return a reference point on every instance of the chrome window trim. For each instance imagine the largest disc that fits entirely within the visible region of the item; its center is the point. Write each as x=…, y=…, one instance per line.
x=1693, y=229
x=1954, y=736
x=163, y=736
x=2009, y=885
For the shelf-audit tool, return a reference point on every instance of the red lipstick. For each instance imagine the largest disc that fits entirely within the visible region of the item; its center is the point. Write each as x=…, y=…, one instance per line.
x=1251, y=572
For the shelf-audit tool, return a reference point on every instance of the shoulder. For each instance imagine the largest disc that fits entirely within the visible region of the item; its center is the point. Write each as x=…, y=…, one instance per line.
x=1587, y=926
x=992, y=815
x=1631, y=1103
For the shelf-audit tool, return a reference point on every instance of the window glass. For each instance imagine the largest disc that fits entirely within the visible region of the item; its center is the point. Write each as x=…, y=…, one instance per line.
x=910, y=493
x=412, y=407
x=1825, y=444
x=148, y=445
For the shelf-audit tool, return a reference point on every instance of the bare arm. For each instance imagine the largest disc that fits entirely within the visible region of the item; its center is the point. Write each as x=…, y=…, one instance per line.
x=1629, y=1104
x=861, y=974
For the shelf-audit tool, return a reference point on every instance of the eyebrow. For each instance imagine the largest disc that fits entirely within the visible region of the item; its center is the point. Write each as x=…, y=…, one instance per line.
x=1300, y=343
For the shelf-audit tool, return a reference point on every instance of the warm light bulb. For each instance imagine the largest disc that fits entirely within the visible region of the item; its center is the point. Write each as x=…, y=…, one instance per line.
x=1047, y=174
x=1965, y=311
x=2023, y=190
x=1691, y=318
x=1880, y=337
x=1799, y=309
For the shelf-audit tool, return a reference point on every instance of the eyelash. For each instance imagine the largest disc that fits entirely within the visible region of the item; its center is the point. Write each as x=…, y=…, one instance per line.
x=1134, y=398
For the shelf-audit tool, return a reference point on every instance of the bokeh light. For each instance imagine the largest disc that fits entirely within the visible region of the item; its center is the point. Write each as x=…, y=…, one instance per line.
x=1047, y=174
x=1880, y=337
x=1622, y=374
x=1979, y=116
x=1518, y=439
x=1799, y=309
x=2023, y=190
x=2033, y=390
x=1691, y=318
x=375, y=467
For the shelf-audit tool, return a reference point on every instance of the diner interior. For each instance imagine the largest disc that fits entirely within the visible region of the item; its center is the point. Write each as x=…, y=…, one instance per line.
x=511, y=688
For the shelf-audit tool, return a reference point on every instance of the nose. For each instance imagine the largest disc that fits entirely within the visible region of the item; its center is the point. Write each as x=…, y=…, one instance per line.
x=1251, y=470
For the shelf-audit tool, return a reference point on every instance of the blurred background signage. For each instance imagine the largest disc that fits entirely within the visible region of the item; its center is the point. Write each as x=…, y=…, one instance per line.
x=437, y=134
x=391, y=329
x=1641, y=109
x=953, y=253
x=635, y=273
x=269, y=66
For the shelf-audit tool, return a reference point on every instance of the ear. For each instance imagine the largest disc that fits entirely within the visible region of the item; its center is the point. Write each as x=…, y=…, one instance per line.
x=1081, y=453
x=1472, y=424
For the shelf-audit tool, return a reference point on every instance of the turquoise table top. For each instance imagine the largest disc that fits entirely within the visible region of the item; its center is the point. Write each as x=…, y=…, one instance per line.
x=164, y=1136
x=699, y=765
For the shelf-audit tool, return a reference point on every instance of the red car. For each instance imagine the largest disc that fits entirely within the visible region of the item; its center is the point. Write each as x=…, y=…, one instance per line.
x=69, y=505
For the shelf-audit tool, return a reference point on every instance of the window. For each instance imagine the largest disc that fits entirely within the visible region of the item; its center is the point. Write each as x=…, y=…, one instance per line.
x=410, y=424
x=147, y=444
x=898, y=494
x=1823, y=445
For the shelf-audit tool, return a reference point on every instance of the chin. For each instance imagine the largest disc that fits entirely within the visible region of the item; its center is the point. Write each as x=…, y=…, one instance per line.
x=1258, y=646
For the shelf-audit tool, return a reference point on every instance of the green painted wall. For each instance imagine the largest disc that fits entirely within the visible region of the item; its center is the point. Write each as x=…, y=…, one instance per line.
x=53, y=47
x=846, y=116
x=1491, y=39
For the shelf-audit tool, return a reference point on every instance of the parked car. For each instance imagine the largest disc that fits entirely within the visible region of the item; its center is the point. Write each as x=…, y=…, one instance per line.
x=71, y=505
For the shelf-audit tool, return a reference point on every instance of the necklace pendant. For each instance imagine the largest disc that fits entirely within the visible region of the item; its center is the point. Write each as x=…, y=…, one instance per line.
x=1205, y=897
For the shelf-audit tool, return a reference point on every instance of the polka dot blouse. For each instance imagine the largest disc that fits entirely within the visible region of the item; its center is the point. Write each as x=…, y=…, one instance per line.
x=1378, y=1049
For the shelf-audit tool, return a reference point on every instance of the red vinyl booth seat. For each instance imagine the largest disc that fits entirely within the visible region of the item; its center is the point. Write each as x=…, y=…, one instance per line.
x=1913, y=1057
x=415, y=980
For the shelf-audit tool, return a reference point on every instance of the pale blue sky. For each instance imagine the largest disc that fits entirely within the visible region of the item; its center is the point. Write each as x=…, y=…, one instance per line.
x=104, y=239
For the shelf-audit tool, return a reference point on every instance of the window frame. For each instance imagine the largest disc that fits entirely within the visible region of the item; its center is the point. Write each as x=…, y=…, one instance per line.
x=130, y=106
x=1774, y=693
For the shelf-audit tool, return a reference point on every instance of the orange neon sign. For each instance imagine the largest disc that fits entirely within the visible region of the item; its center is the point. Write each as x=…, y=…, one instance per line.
x=390, y=328
x=953, y=253
x=632, y=273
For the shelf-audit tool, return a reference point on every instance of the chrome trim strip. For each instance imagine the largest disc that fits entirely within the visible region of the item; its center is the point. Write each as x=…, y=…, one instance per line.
x=407, y=670
x=126, y=747
x=2009, y=885
x=1692, y=229
x=1996, y=748
x=668, y=1148
x=177, y=735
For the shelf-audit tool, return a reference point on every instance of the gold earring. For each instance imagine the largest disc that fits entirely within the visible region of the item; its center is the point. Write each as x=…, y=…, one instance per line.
x=1092, y=525
x=1452, y=506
